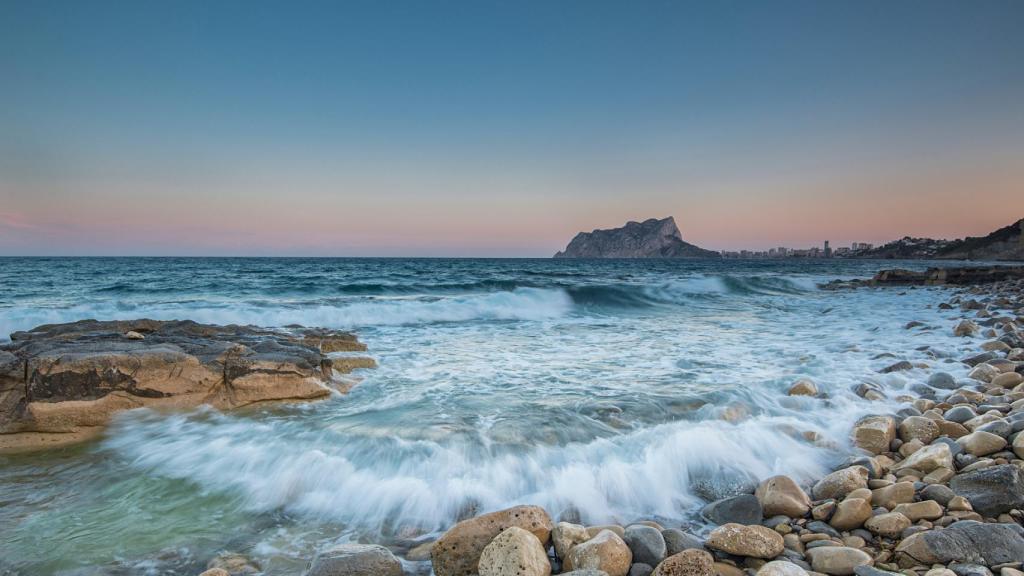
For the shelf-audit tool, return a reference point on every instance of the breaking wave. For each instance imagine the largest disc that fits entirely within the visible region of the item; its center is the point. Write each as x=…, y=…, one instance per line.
x=388, y=483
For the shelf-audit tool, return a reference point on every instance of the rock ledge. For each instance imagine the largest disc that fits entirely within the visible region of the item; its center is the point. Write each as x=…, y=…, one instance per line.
x=61, y=383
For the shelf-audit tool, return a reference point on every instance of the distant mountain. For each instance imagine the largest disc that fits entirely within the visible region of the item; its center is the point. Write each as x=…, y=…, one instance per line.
x=1007, y=243
x=648, y=239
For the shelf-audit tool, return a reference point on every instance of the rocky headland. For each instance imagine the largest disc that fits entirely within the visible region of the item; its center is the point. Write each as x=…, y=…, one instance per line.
x=651, y=238
x=937, y=489
x=62, y=383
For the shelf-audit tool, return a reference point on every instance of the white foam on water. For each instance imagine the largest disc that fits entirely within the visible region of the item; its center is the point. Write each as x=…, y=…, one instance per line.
x=367, y=484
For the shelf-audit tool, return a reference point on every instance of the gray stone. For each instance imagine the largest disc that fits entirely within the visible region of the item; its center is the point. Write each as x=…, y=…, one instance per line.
x=640, y=569
x=959, y=414
x=742, y=509
x=646, y=543
x=939, y=493
x=821, y=528
x=942, y=380
x=355, y=560
x=966, y=541
x=979, y=358
x=969, y=569
x=997, y=427
x=866, y=570
x=991, y=491
x=676, y=541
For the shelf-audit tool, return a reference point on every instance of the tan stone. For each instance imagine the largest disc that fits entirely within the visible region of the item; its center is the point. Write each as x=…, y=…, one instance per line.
x=924, y=510
x=595, y=530
x=983, y=373
x=780, y=495
x=754, y=541
x=889, y=496
x=889, y=525
x=565, y=535
x=686, y=563
x=965, y=328
x=803, y=387
x=1007, y=380
x=850, y=513
x=514, y=552
x=874, y=433
x=781, y=568
x=939, y=476
x=952, y=429
x=837, y=560
x=927, y=459
x=457, y=552
x=980, y=443
x=959, y=504
x=918, y=428
x=606, y=552
x=725, y=569
x=840, y=482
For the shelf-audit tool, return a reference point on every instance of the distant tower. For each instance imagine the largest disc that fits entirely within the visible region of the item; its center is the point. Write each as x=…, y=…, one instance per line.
x=828, y=251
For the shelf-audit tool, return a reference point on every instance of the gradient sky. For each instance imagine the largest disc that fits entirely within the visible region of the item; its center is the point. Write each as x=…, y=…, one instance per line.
x=483, y=128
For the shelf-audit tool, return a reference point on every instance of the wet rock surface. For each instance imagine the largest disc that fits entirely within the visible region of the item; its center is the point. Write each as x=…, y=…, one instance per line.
x=62, y=383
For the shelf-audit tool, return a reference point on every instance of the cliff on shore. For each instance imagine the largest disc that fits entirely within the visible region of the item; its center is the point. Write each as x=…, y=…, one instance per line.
x=651, y=238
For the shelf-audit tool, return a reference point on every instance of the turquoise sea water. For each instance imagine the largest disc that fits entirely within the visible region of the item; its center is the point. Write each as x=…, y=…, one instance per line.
x=615, y=390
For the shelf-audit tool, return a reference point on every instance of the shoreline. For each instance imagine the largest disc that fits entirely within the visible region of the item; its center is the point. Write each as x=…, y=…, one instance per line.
x=980, y=314
x=939, y=491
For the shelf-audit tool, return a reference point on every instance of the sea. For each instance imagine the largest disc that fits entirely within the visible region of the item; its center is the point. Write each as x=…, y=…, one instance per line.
x=603, y=390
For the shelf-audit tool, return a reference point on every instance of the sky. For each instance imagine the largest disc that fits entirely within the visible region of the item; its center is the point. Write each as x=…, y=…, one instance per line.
x=485, y=128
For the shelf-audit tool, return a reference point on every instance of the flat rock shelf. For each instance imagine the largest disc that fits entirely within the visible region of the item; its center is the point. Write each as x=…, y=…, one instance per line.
x=62, y=383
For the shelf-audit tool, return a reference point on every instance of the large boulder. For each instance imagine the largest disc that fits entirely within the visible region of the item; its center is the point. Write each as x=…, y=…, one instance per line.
x=514, y=552
x=753, y=541
x=687, y=563
x=70, y=379
x=355, y=560
x=457, y=552
x=606, y=552
x=966, y=541
x=991, y=491
x=780, y=495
